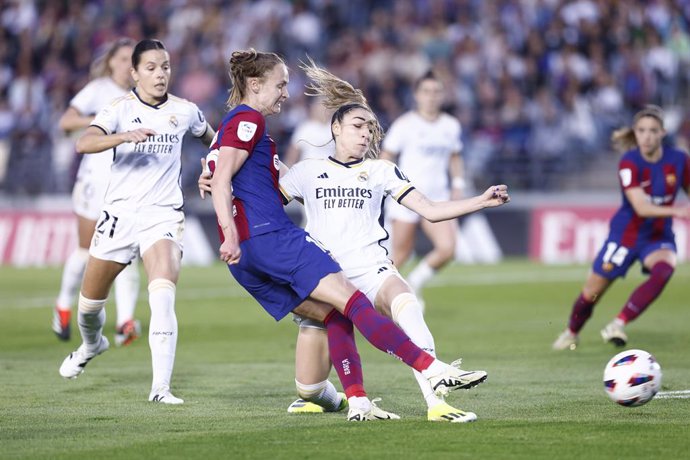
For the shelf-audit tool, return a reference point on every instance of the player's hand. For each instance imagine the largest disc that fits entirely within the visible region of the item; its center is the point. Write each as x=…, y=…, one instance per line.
x=137, y=135
x=230, y=252
x=496, y=195
x=204, y=181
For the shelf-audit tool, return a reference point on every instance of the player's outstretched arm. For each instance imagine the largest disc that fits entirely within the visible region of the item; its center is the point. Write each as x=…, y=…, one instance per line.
x=648, y=210
x=436, y=211
x=94, y=140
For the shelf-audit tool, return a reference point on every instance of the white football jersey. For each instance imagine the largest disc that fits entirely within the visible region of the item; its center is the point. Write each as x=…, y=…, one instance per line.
x=424, y=149
x=343, y=203
x=148, y=173
x=96, y=95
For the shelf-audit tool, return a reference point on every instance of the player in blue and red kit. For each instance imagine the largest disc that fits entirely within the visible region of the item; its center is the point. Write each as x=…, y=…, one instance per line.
x=278, y=263
x=650, y=176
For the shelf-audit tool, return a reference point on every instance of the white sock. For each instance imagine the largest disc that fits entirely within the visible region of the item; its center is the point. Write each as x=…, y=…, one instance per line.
x=127, y=292
x=421, y=274
x=162, y=331
x=323, y=393
x=72, y=274
x=91, y=318
x=407, y=313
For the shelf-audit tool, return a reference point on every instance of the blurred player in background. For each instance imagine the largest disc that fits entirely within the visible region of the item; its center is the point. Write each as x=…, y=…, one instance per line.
x=650, y=175
x=111, y=73
x=142, y=214
x=312, y=137
x=278, y=263
x=343, y=198
x=426, y=142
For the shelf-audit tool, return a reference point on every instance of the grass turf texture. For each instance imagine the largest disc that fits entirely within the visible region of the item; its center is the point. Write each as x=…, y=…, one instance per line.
x=234, y=369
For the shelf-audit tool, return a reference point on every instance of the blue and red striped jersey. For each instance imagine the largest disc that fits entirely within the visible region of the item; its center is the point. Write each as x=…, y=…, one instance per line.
x=257, y=202
x=661, y=181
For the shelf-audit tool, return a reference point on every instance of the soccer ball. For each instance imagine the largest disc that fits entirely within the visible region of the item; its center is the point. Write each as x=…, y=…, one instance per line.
x=632, y=378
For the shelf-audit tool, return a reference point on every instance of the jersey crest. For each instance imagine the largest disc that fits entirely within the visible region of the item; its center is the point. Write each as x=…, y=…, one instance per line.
x=671, y=180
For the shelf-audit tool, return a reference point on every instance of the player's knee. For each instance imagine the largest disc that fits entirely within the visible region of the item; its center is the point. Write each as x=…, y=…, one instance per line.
x=309, y=391
x=445, y=250
x=307, y=323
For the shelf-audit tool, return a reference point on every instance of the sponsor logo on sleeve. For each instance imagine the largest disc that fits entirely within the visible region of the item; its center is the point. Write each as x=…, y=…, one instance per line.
x=626, y=177
x=246, y=130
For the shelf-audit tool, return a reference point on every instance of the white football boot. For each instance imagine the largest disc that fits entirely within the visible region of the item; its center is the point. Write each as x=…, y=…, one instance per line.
x=74, y=364
x=454, y=378
x=567, y=340
x=163, y=396
x=370, y=412
x=614, y=333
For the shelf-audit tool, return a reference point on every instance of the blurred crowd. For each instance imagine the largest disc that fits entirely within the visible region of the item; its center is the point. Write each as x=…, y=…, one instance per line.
x=538, y=85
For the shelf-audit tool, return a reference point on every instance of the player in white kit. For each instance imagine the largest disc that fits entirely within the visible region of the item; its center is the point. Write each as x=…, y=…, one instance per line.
x=142, y=212
x=343, y=198
x=312, y=137
x=112, y=80
x=426, y=142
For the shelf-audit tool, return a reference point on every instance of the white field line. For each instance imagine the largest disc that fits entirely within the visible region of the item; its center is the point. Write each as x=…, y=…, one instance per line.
x=501, y=277
x=450, y=278
x=473, y=279
x=680, y=394
x=183, y=294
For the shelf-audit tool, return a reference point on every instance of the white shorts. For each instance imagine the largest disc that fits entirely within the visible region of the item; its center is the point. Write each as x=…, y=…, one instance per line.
x=121, y=234
x=88, y=196
x=396, y=211
x=369, y=282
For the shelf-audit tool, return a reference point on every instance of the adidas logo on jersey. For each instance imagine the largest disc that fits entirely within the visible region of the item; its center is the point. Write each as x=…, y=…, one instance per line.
x=137, y=120
x=382, y=269
x=322, y=176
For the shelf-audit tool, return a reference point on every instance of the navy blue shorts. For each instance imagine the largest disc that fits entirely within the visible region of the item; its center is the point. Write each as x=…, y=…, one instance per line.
x=281, y=269
x=614, y=260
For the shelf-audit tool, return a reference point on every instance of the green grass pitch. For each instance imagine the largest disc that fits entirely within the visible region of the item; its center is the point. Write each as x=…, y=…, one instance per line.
x=234, y=369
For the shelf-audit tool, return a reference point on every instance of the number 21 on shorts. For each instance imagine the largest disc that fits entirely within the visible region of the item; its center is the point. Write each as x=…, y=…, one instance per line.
x=102, y=225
